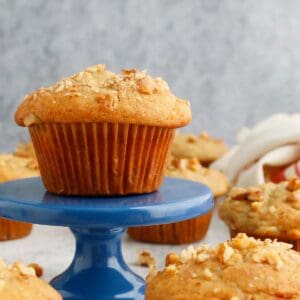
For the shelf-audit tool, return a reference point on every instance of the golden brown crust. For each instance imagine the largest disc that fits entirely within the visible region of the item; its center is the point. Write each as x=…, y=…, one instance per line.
x=243, y=268
x=192, y=169
x=98, y=95
x=205, y=148
x=18, y=282
x=270, y=210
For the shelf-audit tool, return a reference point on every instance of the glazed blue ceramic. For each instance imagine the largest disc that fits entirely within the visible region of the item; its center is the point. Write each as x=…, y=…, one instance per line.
x=98, y=270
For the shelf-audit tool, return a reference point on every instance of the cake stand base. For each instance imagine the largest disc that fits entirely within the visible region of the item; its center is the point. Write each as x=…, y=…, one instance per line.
x=98, y=270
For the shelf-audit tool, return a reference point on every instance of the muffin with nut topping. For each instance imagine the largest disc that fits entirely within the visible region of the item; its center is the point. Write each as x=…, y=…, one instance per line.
x=13, y=166
x=203, y=147
x=243, y=268
x=190, y=230
x=266, y=211
x=99, y=133
x=20, y=282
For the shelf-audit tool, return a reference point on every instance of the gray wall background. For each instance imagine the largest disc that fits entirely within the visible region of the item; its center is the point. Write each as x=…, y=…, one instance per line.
x=236, y=61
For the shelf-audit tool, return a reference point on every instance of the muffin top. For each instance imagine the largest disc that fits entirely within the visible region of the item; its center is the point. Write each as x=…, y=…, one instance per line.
x=20, y=282
x=241, y=269
x=205, y=148
x=193, y=170
x=269, y=210
x=98, y=95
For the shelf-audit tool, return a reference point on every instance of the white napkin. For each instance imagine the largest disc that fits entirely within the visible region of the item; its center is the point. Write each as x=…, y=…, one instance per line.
x=273, y=142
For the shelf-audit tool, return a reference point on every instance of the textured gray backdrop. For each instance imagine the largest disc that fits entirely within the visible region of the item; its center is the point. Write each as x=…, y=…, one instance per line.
x=236, y=61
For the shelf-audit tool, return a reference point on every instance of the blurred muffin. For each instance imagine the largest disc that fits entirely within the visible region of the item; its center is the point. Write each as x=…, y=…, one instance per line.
x=193, y=170
x=190, y=230
x=19, y=282
x=205, y=148
x=98, y=133
x=266, y=211
x=14, y=167
x=244, y=268
x=26, y=150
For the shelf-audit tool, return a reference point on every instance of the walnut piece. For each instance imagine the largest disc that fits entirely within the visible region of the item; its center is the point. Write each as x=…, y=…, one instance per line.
x=172, y=259
x=37, y=269
x=145, y=85
x=238, y=193
x=146, y=259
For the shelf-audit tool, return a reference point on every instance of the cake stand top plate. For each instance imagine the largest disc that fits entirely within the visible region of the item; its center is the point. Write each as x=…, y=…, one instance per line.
x=27, y=200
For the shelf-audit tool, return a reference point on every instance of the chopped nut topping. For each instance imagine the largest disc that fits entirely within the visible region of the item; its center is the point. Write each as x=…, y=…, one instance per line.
x=184, y=164
x=146, y=259
x=193, y=164
x=24, y=270
x=294, y=197
x=207, y=273
x=259, y=263
x=202, y=257
x=224, y=252
x=256, y=205
x=171, y=269
x=172, y=259
x=79, y=76
x=254, y=194
x=293, y=184
x=37, y=269
x=238, y=193
x=204, y=135
x=270, y=257
x=188, y=253
x=191, y=139
x=128, y=71
x=145, y=85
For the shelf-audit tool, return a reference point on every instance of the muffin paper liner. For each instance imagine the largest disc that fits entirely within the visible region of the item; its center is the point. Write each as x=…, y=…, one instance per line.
x=101, y=158
x=176, y=233
x=10, y=230
x=294, y=243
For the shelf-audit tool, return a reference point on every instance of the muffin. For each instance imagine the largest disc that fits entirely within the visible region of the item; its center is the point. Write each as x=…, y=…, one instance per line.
x=244, y=268
x=266, y=211
x=20, y=282
x=98, y=133
x=190, y=230
x=205, y=148
x=14, y=167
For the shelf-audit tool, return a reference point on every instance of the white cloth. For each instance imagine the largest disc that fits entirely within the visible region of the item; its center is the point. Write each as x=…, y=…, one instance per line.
x=274, y=142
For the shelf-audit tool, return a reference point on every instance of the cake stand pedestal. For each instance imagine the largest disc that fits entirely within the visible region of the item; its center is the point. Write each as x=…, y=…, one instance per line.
x=98, y=270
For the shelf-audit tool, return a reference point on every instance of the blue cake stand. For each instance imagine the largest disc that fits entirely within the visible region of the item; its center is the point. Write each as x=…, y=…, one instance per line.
x=98, y=270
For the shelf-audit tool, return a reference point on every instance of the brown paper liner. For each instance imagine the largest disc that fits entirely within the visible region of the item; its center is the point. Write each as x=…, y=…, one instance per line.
x=184, y=232
x=10, y=230
x=101, y=158
x=295, y=243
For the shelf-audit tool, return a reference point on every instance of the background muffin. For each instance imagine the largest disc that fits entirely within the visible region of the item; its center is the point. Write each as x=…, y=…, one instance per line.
x=98, y=133
x=203, y=147
x=243, y=268
x=187, y=231
x=19, y=282
x=266, y=211
x=20, y=165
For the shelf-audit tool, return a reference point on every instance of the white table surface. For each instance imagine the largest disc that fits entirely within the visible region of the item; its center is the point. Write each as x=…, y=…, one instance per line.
x=53, y=248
